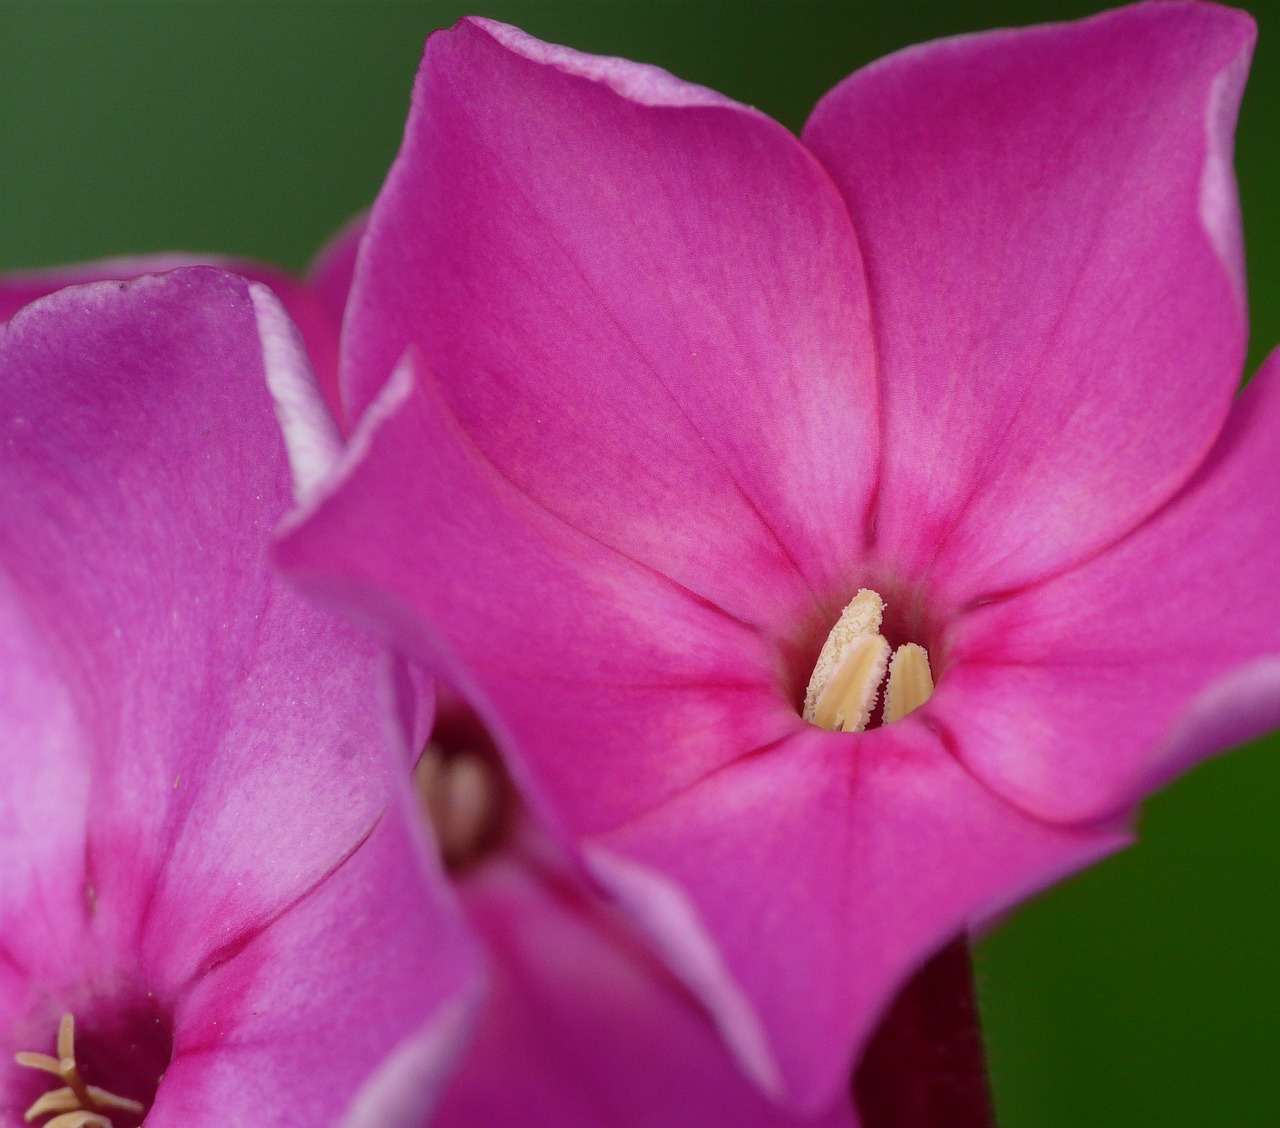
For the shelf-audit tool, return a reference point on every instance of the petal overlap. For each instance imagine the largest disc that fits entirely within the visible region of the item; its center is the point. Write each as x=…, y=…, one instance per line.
x=637, y=663
x=823, y=873
x=584, y=1026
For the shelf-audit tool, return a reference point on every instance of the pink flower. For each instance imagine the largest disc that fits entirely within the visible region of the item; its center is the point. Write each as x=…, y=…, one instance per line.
x=671, y=387
x=206, y=860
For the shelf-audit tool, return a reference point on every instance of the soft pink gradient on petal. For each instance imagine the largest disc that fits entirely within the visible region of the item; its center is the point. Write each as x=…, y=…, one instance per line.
x=646, y=308
x=824, y=872
x=584, y=648
x=290, y=1025
x=44, y=794
x=206, y=692
x=584, y=1028
x=1078, y=696
x=311, y=309
x=1052, y=238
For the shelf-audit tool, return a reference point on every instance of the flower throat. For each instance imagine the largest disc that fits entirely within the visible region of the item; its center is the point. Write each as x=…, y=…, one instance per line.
x=852, y=665
x=76, y=1104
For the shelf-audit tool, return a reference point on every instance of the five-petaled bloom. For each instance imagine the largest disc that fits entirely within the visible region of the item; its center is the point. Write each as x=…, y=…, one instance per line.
x=651, y=390
x=215, y=905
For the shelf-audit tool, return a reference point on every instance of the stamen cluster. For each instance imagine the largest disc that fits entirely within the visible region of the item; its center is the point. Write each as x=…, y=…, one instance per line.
x=846, y=678
x=77, y=1105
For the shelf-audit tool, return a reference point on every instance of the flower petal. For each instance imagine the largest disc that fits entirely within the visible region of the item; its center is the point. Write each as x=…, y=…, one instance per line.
x=644, y=304
x=797, y=890
x=584, y=1028
x=309, y=308
x=584, y=660
x=44, y=792
x=1052, y=239
x=1081, y=695
x=368, y=968
x=227, y=744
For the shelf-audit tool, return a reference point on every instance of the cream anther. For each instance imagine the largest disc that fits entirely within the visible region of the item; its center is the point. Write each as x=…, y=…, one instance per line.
x=862, y=617
x=77, y=1105
x=851, y=666
x=845, y=704
x=910, y=682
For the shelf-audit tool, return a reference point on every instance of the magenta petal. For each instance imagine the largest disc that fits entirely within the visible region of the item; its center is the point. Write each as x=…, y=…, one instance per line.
x=796, y=890
x=339, y=995
x=583, y=1028
x=44, y=793
x=1079, y=696
x=309, y=307
x=205, y=702
x=205, y=844
x=22, y=287
x=582, y=648
x=1052, y=239
x=645, y=306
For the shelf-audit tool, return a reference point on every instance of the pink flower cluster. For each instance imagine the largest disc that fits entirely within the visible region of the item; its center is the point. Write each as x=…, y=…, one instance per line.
x=658, y=582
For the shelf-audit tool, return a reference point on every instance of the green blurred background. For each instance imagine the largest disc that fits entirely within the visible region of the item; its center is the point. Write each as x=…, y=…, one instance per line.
x=1145, y=992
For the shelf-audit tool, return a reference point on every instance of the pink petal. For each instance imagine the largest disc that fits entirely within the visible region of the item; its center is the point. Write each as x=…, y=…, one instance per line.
x=22, y=287
x=44, y=793
x=797, y=890
x=583, y=1028
x=645, y=306
x=221, y=739
x=565, y=645
x=310, y=310
x=366, y=968
x=1078, y=697
x=1052, y=240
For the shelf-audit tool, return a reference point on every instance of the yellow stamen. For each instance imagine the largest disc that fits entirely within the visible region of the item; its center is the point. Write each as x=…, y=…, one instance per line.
x=851, y=666
x=845, y=704
x=103, y=1099
x=910, y=682
x=81, y=1119
x=78, y=1105
x=56, y=1100
x=861, y=617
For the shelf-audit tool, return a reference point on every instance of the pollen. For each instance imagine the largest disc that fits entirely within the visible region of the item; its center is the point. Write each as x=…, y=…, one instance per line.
x=77, y=1105
x=851, y=666
x=910, y=682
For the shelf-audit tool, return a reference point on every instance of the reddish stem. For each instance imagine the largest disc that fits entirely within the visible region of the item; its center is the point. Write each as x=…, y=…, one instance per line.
x=925, y=1066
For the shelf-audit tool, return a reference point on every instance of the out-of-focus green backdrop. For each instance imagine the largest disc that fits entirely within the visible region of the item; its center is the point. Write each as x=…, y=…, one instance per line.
x=1145, y=992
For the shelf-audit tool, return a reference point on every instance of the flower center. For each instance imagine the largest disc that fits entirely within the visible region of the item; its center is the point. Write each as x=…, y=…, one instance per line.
x=465, y=798
x=76, y=1104
x=852, y=664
